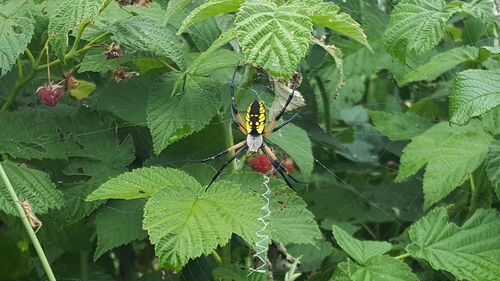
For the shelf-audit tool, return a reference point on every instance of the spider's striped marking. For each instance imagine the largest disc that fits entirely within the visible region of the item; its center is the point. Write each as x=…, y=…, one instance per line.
x=255, y=120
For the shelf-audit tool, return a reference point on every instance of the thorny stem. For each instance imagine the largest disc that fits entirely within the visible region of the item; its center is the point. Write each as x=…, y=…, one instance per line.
x=27, y=226
x=402, y=256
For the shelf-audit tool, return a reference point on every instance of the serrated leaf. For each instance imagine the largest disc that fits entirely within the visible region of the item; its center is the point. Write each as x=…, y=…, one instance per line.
x=30, y=185
x=493, y=164
x=381, y=268
x=16, y=31
x=236, y=273
x=141, y=183
x=469, y=252
x=451, y=153
x=359, y=250
x=474, y=92
x=295, y=142
x=327, y=14
x=145, y=34
x=440, y=63
x=173, y=117
x=185, y=222
x=274, y=38
x=480, y=9
x=415, y=26
x=209, y=9
x=119, y=223
x=398, y=125
x=68, y=17
x=97, y=62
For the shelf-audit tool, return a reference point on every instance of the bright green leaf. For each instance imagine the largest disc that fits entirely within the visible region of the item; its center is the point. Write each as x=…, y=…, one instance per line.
x=295, y=142
x=380, y=268
x=493, y=164
x=209, y=9
x=30, y=185
x=16, y=31
x=141, y=183
x=469, y=252
x=274, y=38
x=68, y=17
x=398, y=125
x=440, y=63
x=451, y=153
x=83, y=90
x=145, y=34
x=118, y=223
x=359, y=250
x=474, y=92
x=173, y=117
x=415, y=26
x=185, y=222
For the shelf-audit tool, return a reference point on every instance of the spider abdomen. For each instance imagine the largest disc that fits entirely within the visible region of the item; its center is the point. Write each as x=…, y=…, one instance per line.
x=255, y=120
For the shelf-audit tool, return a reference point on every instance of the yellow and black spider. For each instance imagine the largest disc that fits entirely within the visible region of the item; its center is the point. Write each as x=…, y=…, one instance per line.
x=254, y=127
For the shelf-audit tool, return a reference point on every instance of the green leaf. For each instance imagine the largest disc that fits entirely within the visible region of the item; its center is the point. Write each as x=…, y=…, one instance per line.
x=30, y=185
x=141, y=183
x=274, y=38
x=480, y=9
x=84, y=89
x=185, y=222
x=173, y=117
x=440, y=63
x=415, y=26
x=474, y=92
x=326, y=14
x=146, y=34
x=381, y=268
x=68, y=17
x=209, y=9
x=236, y=273
x=451, y=153
x=295, y=142
x=119, y=223
x=492, y=164
x=359, y=250
x=469, y=252
x=16, y=31
x=398, y=125
x=97, y=62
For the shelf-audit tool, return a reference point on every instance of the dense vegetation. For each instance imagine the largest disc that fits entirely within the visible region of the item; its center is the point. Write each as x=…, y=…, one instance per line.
x=108, y=106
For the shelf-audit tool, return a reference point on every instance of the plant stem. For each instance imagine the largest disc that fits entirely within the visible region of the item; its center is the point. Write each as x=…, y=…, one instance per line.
x=91, y=42
x=31, y=59
x=19, y=68
x=372, y=234
x=27, y=226
x=326, y=103
x=402, y=256
x=19, y=85
x=216, y=257
x=73, y=49
x=473, y=197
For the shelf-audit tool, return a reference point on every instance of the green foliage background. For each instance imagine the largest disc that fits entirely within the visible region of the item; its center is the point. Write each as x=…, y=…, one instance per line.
x=397, y=140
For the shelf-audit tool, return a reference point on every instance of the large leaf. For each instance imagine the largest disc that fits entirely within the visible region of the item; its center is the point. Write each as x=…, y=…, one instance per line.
x=15, y=34
x=327, y=14
x=380, y=268
x=399, y=126
x=493, y=164
x=118, y=223
x=173, y=117
x=274, y=38
x=474, y=93
x=451, y=153
x=30, y=185
x=141, y=183
x=68, y=17
x=480, y=9
x=415, y=26
x=295, y=142
x=186, y=222
x=361, y=251
x=469, y=252
x=209, y=9
x=147, y=34
x=440, y=63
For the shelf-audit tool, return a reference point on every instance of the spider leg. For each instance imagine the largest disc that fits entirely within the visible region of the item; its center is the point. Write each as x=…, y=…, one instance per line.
x=232, y=148
x=281, y=126
x=237, y=119
x=278, y=116
x=225, y=164
x=277, y=165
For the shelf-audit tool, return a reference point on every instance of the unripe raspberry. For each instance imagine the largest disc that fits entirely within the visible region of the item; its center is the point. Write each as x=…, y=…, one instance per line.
x=50, y=94
x=260, y=163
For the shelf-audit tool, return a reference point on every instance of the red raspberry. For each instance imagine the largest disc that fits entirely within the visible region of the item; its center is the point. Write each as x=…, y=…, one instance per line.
x=260, y=163
x=50, y=94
